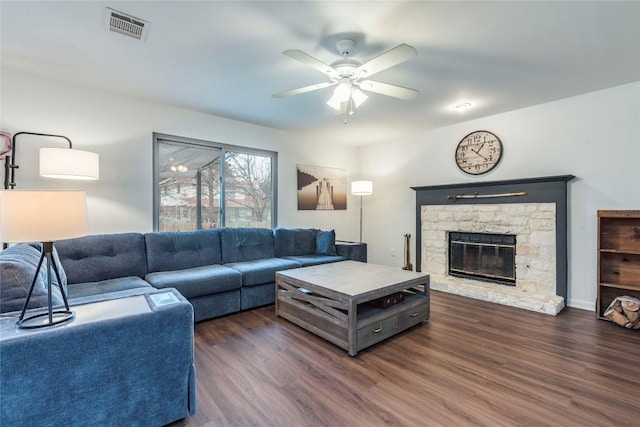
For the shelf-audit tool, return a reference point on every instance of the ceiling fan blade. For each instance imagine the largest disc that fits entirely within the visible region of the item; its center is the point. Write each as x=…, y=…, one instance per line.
x=303, y=89
x=386, y=60
x=299, y=55
x=389, y=90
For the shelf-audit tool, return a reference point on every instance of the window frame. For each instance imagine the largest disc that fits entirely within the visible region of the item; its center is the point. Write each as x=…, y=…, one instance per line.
x=224, y=148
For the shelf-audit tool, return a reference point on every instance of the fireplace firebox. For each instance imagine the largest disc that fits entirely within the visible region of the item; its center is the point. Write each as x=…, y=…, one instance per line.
x=482, y=256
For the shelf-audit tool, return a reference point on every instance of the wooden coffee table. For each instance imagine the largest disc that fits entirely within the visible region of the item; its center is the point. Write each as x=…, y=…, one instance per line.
x=336, y=301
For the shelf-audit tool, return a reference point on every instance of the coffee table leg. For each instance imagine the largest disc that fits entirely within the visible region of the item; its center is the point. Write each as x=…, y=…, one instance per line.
x=353, y=321
x=277, y=293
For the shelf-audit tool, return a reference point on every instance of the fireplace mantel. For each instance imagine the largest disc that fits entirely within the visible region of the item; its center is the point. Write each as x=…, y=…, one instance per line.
x=551, y=189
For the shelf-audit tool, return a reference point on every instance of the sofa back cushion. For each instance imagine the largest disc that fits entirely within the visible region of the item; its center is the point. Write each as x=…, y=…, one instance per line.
x=168, y=251
x=294, y=241
x=17, y=268
x=246, y=244
x=103, y=257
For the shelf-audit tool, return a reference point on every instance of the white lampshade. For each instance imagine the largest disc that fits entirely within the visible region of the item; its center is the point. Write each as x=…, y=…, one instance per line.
x=362, y=188
x=42, y=216
x=67, y=163
x=341, y=94
x=358, y=97
x=335, y=103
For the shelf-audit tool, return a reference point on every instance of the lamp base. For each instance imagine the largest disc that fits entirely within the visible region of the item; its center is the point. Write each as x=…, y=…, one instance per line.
x=42, y=320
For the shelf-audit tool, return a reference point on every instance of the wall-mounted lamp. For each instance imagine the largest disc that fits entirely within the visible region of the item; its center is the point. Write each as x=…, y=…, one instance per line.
x=62, y=163
x=361, y=188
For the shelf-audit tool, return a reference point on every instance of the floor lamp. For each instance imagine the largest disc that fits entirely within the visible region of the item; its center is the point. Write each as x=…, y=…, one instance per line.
x=43, y=216
x=361, y=188
x=62, y=163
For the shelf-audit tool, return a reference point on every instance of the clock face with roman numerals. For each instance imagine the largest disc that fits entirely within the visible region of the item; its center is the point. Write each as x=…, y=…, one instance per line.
x=478, y=152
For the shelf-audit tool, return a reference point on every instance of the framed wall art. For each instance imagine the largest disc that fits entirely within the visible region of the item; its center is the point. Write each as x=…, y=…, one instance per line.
x=321, y=188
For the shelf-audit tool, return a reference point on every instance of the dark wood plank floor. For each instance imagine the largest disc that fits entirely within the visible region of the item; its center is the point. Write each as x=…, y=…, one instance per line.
x=473, y=363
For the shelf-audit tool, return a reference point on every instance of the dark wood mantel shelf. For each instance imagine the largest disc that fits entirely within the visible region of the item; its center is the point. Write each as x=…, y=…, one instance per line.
x=482, y=184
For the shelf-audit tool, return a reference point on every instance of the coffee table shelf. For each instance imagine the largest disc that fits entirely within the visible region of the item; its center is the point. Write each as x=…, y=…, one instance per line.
x=333, y=301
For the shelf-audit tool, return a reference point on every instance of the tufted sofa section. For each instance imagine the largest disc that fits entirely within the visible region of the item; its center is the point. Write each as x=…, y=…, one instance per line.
x=105, y=263
x=191, y=263
x=251, y=251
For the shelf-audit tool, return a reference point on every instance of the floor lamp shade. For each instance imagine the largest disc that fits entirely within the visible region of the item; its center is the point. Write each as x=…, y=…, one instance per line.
x=42, y=216
x=362, y=188
x=67, y=163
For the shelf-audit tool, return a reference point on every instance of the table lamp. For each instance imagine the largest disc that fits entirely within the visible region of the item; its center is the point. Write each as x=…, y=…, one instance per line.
x=43, y=216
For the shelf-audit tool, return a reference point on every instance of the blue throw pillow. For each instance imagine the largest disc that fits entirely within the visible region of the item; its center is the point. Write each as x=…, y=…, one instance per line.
x=326, y=242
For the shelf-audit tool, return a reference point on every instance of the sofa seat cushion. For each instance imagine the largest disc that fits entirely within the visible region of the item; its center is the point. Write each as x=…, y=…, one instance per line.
x=199, y=281
x=294, y=241
x=78, y=290
x=262, y=271
x=169, y=251
x=308, y=260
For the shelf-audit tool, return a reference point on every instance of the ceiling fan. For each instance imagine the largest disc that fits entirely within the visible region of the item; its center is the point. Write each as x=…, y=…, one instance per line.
x=350, y=76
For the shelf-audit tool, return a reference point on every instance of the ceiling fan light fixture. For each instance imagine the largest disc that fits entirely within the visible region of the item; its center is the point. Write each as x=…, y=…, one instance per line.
x=346, y=74
x=343, y=90
x=335, y=103
x=358, y=97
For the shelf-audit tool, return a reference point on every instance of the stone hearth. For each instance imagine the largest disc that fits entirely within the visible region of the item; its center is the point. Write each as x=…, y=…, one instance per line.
x=533, y=209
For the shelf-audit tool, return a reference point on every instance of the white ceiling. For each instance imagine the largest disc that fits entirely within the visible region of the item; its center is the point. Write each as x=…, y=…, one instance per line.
x=225, y=57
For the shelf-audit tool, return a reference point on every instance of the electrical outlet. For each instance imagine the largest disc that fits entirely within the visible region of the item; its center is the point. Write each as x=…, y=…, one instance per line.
x=393, y=253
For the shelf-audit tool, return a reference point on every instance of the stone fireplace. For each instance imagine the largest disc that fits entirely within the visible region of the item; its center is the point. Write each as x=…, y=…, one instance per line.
x=506, y=241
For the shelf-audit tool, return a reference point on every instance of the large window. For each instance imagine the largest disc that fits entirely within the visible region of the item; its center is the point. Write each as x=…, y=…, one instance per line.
x=192, y=177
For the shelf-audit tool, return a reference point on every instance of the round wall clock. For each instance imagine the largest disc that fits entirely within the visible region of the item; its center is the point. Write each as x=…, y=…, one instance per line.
x=478, y=152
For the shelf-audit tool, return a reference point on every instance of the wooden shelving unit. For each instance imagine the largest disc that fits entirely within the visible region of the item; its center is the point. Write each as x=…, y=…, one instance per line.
x=618, y=256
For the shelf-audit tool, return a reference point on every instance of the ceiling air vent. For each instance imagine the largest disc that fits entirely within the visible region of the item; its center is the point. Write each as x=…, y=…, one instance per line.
x=127, y=25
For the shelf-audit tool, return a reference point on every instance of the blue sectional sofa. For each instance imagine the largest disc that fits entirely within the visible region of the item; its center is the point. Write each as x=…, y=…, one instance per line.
x=115, y=365
x=219, y=271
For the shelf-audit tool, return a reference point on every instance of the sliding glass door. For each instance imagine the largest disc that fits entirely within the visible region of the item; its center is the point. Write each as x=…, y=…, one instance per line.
x=191, y=179
x=188, y=186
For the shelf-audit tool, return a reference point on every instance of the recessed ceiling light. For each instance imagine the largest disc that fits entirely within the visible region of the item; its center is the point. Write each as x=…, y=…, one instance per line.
x=462, y=107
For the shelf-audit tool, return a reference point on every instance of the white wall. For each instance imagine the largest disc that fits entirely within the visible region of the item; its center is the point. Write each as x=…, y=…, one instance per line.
x=595, y=137
x=120, y=128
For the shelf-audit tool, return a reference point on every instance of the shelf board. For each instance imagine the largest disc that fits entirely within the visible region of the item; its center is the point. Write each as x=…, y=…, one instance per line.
x=633, y=287
x=617, y=251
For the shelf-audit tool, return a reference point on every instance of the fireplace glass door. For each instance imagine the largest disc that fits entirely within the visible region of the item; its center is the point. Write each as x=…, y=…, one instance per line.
x=482, y=256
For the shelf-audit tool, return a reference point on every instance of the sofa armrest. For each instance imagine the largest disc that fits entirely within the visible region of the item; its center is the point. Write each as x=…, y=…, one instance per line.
x=115, y=357
x=354, y=251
